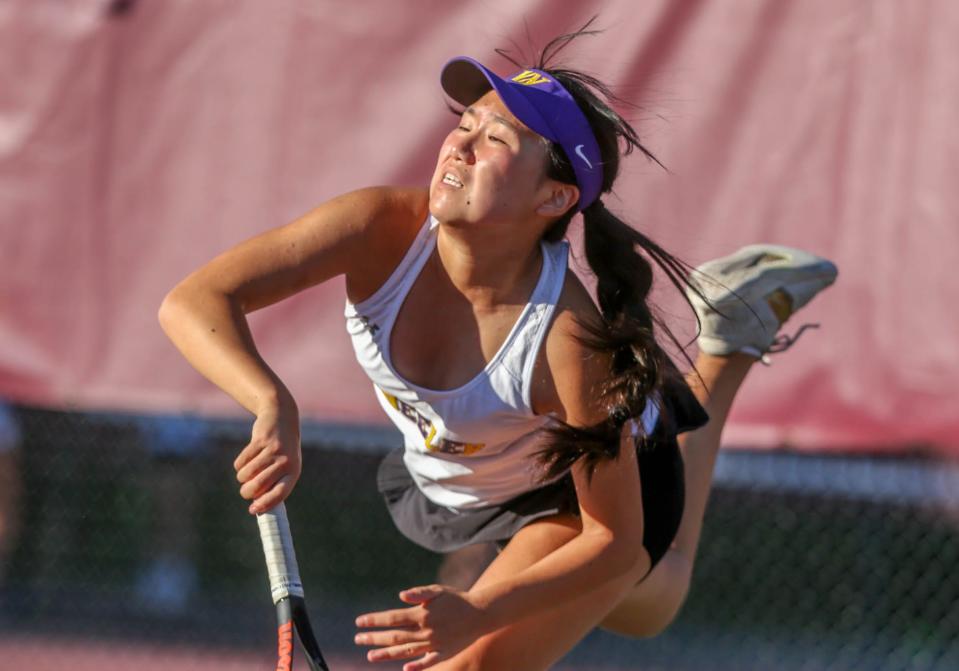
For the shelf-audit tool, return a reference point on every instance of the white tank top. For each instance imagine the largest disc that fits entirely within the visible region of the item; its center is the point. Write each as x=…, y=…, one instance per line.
x=471, y=446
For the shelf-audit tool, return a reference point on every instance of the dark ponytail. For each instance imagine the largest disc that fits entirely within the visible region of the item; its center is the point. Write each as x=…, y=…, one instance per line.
x=640, y=368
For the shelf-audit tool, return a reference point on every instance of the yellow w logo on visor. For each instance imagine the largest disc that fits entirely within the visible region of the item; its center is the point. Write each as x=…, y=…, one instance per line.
x=529, y=78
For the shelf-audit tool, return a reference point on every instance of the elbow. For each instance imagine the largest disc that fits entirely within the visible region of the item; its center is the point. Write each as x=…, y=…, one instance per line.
x=167, y=314
x=179, y=307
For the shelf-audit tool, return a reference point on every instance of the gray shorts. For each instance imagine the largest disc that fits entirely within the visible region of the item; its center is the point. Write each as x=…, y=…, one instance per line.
x=444, y=529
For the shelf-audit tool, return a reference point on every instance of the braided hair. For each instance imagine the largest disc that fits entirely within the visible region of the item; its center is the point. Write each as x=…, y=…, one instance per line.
x=622, y=258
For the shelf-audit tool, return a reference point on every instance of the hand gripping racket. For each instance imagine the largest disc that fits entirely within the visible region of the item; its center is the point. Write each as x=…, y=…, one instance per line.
x=287, y=591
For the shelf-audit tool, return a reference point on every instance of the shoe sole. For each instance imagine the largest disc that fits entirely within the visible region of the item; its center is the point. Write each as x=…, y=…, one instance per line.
x=800, y=274
x=742, y=281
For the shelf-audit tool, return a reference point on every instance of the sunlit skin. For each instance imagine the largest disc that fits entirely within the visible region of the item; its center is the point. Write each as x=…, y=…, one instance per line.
x=487, y=255
x=502, y=165
x=491, y=226
x=560, y=576
x=488, y=244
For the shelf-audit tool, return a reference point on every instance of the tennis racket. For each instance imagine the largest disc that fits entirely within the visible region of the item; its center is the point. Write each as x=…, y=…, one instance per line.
x=287, y=591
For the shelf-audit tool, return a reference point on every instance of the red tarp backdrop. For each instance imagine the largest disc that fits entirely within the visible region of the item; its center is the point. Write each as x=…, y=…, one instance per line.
x=134, y=148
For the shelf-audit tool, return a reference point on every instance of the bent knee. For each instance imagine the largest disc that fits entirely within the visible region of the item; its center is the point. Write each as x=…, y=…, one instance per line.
x=674, y=568
x=653, y=603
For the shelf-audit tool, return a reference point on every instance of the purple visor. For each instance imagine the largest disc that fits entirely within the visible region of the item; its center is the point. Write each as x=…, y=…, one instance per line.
x=543, y=105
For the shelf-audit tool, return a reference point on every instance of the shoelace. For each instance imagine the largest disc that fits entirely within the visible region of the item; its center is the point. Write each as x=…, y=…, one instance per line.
x=783, y=342
x=779, y=344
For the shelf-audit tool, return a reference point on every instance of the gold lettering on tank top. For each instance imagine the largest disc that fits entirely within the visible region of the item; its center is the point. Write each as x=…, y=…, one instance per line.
x=428, y=430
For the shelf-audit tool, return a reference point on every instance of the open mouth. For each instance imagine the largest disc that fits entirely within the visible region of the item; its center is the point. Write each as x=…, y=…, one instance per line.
x=448, y=178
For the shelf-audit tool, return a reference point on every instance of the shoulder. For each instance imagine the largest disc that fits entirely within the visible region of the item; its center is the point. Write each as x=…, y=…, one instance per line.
x=375, y=201
x=383, y=212
x=382, y=221
x=353, y=224
x=377, y=210
x=568, y=373
x=391, y=218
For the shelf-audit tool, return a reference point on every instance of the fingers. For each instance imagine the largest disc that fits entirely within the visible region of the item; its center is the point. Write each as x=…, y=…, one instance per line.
x=391, y=638
x=426, y=661
x=421, y=594
x=265, y=479
x=410, y=637
x=279, y=492
x=404, y=651
x=401, y=617
x=252, y=449
x=267, y=469
x=269, y=487
x=273, y=432
x=255, y=463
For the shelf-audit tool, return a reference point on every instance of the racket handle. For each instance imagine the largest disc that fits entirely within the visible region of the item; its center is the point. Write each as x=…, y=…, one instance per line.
x=280, y=557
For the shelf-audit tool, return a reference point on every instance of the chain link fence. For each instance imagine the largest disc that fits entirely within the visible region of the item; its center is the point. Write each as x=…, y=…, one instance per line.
x=125, y=544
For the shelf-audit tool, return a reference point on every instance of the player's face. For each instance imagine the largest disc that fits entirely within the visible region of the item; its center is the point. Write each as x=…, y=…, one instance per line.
x=490, y=168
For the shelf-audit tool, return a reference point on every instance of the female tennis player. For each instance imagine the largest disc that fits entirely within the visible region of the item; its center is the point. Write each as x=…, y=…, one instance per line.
x=531, y=417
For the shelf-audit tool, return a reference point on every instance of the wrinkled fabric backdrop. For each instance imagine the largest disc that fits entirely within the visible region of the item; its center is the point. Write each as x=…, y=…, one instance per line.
x=136, y=146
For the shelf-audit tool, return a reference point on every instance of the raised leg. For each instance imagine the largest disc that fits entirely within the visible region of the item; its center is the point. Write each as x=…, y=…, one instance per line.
x=646, y=607
x=653, y=603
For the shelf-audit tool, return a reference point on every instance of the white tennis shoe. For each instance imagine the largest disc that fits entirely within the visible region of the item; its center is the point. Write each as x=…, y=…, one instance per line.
x=751, y=293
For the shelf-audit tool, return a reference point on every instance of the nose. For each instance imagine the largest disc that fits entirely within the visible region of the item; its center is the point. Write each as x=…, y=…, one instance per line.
x=461, y=148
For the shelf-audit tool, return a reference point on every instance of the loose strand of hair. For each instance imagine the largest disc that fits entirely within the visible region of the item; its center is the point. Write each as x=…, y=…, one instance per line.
x=623, y=260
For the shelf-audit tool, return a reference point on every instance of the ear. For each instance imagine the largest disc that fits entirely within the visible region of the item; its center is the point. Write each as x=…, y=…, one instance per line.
x=558, y=198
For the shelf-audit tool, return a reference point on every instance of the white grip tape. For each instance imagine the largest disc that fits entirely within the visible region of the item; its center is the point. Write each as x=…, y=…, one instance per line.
x=280, y=558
